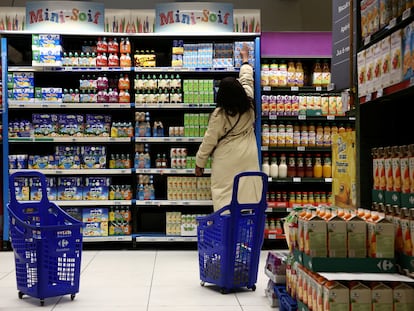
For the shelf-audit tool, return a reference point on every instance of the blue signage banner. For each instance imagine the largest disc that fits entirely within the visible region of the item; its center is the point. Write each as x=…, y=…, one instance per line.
x=194, y=17
x=65, y=16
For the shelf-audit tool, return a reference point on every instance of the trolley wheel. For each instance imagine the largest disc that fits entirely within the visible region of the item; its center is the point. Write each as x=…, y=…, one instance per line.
x=254, y=287
x=223, y=290
x=20, y=294
x=72, y=296
x=42, y=302
x=202, y=283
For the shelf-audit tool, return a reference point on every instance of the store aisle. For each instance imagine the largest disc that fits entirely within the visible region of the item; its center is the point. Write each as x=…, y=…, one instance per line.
x=141, y=280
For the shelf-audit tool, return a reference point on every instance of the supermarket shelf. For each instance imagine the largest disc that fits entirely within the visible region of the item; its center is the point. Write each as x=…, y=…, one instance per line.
x=294, y=89
x=68, y=139
x=163, y=238
x=299, y=180
x=297, y=148
x=275, y=237
x=277, y=279
x=54, y=105
x=174, y=106
x=90, y=202
x=175, y=203
x=102, y=171
x=169, y=139
x=94, y=203
x=167, y=171
x=186, y=69
x=66, y=69
x=400, y=89
x=309, y=118
x=121, y=238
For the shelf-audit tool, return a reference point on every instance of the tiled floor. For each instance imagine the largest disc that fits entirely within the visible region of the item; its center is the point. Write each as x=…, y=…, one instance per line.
x=139, y=280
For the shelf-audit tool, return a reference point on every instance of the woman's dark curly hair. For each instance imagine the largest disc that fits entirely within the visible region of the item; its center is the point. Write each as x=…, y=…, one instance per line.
x=232, y=97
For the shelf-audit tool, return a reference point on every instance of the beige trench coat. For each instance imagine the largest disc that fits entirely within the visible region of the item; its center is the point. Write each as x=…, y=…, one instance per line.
x=236, y=153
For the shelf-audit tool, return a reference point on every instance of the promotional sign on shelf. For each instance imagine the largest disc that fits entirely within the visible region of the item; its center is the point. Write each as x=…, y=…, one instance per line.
x=197, y=17
x=65, y=16
x=343, y=169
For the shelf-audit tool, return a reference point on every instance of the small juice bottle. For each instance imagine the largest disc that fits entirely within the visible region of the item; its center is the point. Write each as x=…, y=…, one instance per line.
x=299, y=75
x=327, y=166
x=317, y=74
x=291, y=74
x=317, y=167
x=326, y=74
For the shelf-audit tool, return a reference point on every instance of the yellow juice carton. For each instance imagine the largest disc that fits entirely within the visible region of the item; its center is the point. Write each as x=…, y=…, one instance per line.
x=405, y=222
x=403, y=295
x=381, y=238
x=335, y=297
x=386, y=61
x=337, y=246
x=356, y=237
x=406, y=52
x=396, y=57
x=315, y=233
x=381, y=296
x=360, y=297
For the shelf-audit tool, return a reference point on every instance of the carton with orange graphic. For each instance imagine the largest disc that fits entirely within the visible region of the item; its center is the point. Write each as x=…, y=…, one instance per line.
x=335, y=297
x=360, y=296
x=337, y=244
x=381, y=295
x=315, y=234
x=357, y=237
x=381, y=237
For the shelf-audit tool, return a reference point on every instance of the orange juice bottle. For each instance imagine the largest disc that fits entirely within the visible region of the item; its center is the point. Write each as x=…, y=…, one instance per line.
x=317, y=167
x=282, y=80
x=264, y=75
x=299, y=74
x=291, y=74
x=375, y=174
x=319, y=135
x=327, y=166
x=326, y=74
x=273, y=74
x=341, y=128
x=326, y=135
x=317, y=74
x=381, y=168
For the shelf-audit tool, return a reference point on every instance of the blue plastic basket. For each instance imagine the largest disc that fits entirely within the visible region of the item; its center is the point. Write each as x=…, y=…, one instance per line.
x=230, y=240
x=47, y=245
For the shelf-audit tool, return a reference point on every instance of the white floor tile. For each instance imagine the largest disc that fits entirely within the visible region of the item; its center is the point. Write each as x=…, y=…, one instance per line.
x=138, y=280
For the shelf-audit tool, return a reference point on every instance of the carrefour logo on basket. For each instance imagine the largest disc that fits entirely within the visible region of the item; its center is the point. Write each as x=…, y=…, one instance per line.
x=194, y=17
x=64, y=16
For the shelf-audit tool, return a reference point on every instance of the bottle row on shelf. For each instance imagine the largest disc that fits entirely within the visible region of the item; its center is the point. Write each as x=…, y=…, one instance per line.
x=295, y=105
x=294, y=74
x=298, y=165
x=288, y=134
x=285, y=199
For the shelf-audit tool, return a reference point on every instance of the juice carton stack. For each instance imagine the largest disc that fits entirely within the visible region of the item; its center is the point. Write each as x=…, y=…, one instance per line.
x=95, y=221
x=46, y=50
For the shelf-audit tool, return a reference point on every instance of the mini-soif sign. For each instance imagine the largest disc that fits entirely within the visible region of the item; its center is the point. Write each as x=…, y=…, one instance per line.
x=65, y=16
x=196, y=17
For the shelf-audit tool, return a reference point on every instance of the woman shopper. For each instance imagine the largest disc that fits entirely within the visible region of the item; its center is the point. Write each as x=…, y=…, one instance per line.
x=230, y=139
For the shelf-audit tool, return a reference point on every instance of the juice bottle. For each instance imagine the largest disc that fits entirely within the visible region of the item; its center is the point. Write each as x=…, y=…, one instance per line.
x=317, y=167
x=289, y=135
x=281, y=135
x=326, y=135
x=308, y=165
x=299, y=74
x=273, y=135
x=317, y=74
x=326, y=74
x=274, y=74
x=264, y=75
x=265, y=106
x=291, y=74
x=282, y=166
x=312, y=135
x=291, y=169
x=300, y=166
x=296, y=134
x=113, y=46
x=265, y=164
x=381, y=168
x=327, y=166
x=282, y=81
x=341, y=128
x=274, y=169
x=319, y=135
x=265, y=134
x=304, y=135
x=375, y=174
x=125, y=46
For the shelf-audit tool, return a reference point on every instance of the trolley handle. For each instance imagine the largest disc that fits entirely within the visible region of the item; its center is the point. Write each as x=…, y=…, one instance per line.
x=262, y=175
x=13, y=201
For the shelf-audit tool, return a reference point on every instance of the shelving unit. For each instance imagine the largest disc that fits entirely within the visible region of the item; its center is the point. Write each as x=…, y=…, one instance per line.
x=148, y=216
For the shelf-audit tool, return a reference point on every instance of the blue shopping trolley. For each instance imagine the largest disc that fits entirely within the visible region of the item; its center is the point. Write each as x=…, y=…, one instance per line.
x=230, y=240
x=47, y=244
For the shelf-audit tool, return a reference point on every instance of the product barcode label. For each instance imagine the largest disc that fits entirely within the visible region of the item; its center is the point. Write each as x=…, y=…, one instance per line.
x=301, y=117
x=297, y=179
x=380, y=93
x=392, y=23
x=368, y=97
x=267, y=88
x=406, y=14
x=367, y=40
x=301, y=148
x=319, y=88
x=330, y=117
x=294, y=88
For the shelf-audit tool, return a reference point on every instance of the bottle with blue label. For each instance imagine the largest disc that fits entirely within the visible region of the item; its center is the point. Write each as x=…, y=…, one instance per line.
x=141, y=192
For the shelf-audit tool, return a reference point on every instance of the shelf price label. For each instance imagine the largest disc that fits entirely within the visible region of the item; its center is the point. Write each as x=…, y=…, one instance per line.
x=294, y=88
x=319, y=88
x=380, y=93
x=302, y=117
x=67, y=68
x=393, y=22
x=367, y=40
x=297, y=179
x=411, y=81
x=272, y=117
x=368, y=97
x=267, y=88
x=330, y=117
x=328, y=180
x=301, y=148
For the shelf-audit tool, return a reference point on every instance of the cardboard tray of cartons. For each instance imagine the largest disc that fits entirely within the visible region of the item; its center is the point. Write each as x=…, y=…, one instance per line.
x=406, y=264
x=346, y=264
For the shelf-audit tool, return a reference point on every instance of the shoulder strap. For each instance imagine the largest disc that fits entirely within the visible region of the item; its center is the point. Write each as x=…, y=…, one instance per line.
x=227, y=133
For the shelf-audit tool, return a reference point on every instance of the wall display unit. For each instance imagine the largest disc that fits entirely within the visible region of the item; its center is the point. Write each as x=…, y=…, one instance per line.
x=114, y=122
x=298, y=117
